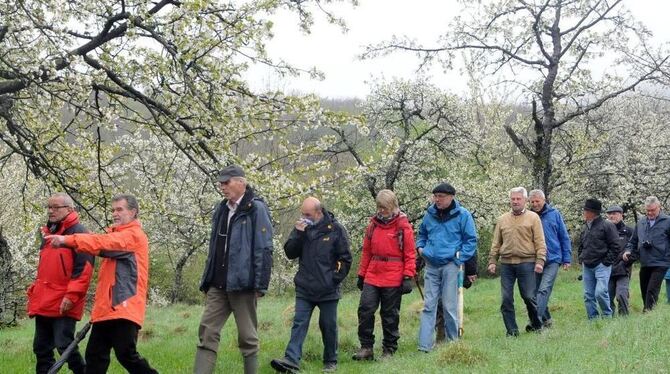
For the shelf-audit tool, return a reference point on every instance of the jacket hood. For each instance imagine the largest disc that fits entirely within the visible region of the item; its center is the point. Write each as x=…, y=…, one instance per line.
x=376, y=221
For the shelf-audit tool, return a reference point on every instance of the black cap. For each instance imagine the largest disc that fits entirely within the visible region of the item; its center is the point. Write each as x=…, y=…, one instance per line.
x=614, y=209
x=230, y=171
x=593, y=205
x=445, y=188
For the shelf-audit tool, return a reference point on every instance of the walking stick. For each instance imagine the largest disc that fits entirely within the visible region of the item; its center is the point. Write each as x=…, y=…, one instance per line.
x=418, y=286
x=68, y=351
x=461, y=275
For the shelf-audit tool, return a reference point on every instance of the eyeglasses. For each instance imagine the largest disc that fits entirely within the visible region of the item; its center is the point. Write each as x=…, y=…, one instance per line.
x=54, y=207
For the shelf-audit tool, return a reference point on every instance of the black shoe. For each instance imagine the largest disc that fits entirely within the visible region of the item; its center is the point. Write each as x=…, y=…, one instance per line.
x=531, y=328
x=284, y=366
x=513, y=334
x=330, y=367
x=387, y=353
x=547, y=323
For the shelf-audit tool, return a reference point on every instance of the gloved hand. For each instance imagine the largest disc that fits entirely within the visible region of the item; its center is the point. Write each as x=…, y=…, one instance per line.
x=359, y=284
x=406, y=285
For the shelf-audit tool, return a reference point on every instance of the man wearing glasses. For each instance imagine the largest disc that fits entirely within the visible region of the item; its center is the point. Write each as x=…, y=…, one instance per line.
x=237, y=270
x=56, y=299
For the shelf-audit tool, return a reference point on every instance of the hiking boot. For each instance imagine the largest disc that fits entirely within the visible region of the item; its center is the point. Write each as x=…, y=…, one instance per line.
x=284, y=366
x=364, y=354
x=387, y=353
x=512, y=334
x=548, y=323
x=531, y=328
x=330, y=367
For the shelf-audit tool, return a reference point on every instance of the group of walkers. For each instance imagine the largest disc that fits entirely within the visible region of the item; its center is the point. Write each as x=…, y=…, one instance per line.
x=529, y=246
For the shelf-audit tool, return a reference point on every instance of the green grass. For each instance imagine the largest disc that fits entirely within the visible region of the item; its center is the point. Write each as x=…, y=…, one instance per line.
x=638, y=343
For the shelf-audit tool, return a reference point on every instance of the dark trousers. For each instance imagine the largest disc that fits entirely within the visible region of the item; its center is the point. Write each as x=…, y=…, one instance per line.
x=618, y=290
x=524, y=274
x=55, y=332
x=371, y=297
x=651, y=279
x=327, y=325
x=121, y=335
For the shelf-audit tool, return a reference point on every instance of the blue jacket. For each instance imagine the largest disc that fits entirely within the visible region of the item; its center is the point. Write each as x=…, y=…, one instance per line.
x=250, y=250
x=556, y=237
x=657, y=252
x=442, y=237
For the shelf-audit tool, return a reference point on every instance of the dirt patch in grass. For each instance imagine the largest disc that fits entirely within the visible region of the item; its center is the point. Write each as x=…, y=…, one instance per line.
x=179, y=329
x=146, y=334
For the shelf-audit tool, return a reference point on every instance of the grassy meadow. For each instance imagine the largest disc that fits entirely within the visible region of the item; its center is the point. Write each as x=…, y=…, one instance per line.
x=638, y=343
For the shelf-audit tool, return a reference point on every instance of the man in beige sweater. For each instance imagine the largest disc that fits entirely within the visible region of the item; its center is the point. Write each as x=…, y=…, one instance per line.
x=518, y=241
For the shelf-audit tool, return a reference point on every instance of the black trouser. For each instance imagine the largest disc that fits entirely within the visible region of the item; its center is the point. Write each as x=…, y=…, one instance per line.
x=651, y=279
x=618, y=290
x=55, y=332
x=371, y=297
x=121, y=335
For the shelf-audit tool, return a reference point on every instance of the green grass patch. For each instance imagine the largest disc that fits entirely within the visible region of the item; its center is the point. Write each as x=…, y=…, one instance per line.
x=638, y=343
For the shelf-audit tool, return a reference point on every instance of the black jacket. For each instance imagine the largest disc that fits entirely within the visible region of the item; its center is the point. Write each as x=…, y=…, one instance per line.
x=248, y=258
x=620, y=268
x=657, y=251
x=325, y=259
x=599, y=244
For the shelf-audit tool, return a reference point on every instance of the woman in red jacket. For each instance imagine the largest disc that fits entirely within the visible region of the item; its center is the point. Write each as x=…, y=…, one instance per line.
x=385, y=273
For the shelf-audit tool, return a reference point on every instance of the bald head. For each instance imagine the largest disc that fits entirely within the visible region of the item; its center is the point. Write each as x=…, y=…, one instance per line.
x=311, y=209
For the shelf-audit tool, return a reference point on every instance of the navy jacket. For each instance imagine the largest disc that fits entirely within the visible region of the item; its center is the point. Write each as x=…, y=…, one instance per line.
x=324, y=259
x=250, y=247
x=658, y=236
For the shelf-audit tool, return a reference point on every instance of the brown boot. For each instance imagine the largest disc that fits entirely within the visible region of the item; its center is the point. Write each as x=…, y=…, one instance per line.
x=364, y=353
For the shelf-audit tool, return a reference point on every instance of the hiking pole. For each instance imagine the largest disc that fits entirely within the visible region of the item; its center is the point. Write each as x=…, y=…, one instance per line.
x=461, y=275
x=68, y=351
x=418, y=286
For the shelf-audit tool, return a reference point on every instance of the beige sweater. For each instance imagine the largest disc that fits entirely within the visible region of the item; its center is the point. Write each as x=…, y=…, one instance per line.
x=518, y=239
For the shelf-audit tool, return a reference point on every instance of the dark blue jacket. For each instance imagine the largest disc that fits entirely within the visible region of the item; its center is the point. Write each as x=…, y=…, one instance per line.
x=556, y=237
x=442, y=237
x=250, y=247
x=657, y=253
x=325, y=259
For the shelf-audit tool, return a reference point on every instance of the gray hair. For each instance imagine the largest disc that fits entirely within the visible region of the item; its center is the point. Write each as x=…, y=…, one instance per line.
x=520, y=190
x=539, y=193
x=131, y=201
x=67, y=200
x=240, y=179
x=651, y=200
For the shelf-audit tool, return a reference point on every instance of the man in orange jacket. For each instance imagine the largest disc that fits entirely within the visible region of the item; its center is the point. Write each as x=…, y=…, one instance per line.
x=56, y=299
x=120, y=297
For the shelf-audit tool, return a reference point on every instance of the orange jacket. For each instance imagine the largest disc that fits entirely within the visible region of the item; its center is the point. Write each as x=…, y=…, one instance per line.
x=61, y=273
x=123, y=277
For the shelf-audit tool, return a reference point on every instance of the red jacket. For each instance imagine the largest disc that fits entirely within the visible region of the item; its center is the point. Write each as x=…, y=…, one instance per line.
x=124, y=273
x=388, y=252
x=61, y=272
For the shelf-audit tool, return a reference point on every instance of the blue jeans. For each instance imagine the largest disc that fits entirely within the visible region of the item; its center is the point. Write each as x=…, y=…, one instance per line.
x=327, y=325
x=545, y=284
x=596, y=284
x=439, y=283
x=524, y=273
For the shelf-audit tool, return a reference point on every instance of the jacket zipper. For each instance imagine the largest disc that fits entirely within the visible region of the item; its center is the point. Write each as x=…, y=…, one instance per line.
x=62, y=263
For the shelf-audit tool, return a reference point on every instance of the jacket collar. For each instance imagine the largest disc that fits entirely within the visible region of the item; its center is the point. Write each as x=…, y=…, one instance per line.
x=70, y=220
x=246, y=204
x=134, y=223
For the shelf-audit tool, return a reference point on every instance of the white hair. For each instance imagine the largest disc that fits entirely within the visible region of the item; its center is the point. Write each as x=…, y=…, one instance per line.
x=651, y=200
x=539, y=193
x=520, y=190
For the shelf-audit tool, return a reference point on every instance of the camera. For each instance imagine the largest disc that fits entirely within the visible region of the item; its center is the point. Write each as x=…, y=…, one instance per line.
x=646, y=244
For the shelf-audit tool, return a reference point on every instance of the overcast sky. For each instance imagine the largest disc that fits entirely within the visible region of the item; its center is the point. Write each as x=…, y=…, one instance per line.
x=335, y=53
